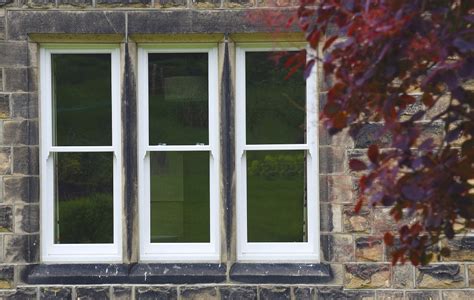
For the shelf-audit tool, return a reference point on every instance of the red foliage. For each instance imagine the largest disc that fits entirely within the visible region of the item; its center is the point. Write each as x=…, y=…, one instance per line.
x=380, y=54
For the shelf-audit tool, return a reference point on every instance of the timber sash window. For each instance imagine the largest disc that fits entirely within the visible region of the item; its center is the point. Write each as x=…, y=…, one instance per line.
x=276, y=160
x=178, y=152
x=80, y=155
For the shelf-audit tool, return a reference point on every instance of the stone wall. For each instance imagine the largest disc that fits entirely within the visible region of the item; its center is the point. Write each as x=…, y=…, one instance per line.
x=355, y=263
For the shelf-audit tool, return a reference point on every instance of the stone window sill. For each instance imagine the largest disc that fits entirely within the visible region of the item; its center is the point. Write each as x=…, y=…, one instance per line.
x=144, y=273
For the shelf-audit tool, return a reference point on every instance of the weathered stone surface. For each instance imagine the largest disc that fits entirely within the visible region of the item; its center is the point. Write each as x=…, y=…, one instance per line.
x=21, y=23
x=200, y=21
x=4, y=106
x=458, y=295
x=84, y=274
x=27, y=218
x=470, y=269
x=237, y=293
x=462, y=249
x=1, y=79
x=207, y=4
x=161, y=293
x=195, y=293
x=367, y=276
x=21, y=248
x=26, y=160
x=402, y=277
x=23, y=132
x=21, y=189
x=304, y=293
x=340, y=294
x=2, y=26
x=239, y=3
x=440, y=276
x=276, y=3
x=76, y=3
x=337, y=247
x=383, y=221
x=92, y=293
x=5, y=2
x=275, y=293
x=24, y=105
x=114, y=3
x=6, y=219
x=331, y=218
x=13, y=54
x=370, y=134
x=5, y=161
x=389, y=295
x=21, y=294
x=178, y=273
x=423, y=295
x=369, y=248
x=356, y=222
x=122, y=293
x=334, y=160
x=20, y=79
x=55, y=293
x=171, y=3
x=6, y=277
x=336, y=188
x=41, y=3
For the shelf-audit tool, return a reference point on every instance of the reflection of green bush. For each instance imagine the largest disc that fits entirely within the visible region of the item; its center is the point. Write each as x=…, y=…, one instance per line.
x=277, y=166
x=86, y=219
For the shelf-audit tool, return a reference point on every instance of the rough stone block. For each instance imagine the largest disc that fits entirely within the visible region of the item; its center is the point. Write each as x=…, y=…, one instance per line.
x=21, y=248
x=13, y=54
x=21, y=22
x=5, y=161
x=440, y=276
x=114, y=3
x=41, y=3
x=24, y=105
x=21, y=294
x=383, y=221
x=340, y=294
x=423, y=295
x=357, y=222
x=171, y=3
x=389, y=295
x=369, y=248
x=470, y=269
x=371, y=134
x=26, y=160
x=6, y=219
x=1, y=79
x=161, y=293
x=458, y=295
x=4, y=106
x=330, y=218
x=276, y=3
x=27, y=218
x=274, y=293
x=402, y=277
x=238, y=293
x=336, y=188
x=23, y=132
x=92, y=293
x=21, y=189
x=304, y=293
x=337, y=247
x=55, y=293
x=239, y=3
x=360, y=276
x=2, y=24
x=462, y=249
x=20, y=79
x=6, y=277
x=195, y=293
x=207, y=4
x=75, y=3
x=333, y=160
x=122, y=293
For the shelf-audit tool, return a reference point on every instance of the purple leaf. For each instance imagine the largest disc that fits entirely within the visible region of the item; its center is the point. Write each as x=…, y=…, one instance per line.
x=463, y=45
x=413, y=192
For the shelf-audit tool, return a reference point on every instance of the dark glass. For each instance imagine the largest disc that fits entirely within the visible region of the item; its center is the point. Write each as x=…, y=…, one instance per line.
x=276, y=196
x=84, y=198
x=82, y=100
x=179, y=197
x=275, y=106
x=178, y=98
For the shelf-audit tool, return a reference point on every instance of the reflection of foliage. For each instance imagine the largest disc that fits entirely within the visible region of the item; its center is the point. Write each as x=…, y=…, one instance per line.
x=86, y=220
x=80, y=174
x=277, y=166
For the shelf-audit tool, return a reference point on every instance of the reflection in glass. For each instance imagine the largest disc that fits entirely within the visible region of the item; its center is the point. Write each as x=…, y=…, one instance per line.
x=84, y=198
x=178, y=98
x=179, y=197
x=276, y=196
x=275, y=106
x=81, y=88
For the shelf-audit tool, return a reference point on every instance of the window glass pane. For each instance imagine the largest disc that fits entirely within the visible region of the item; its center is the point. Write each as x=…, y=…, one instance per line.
x=179, y=197
x=275, y=106
x=84, y=198
x=276, y=196
x=82, y=101
x=178, y=98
